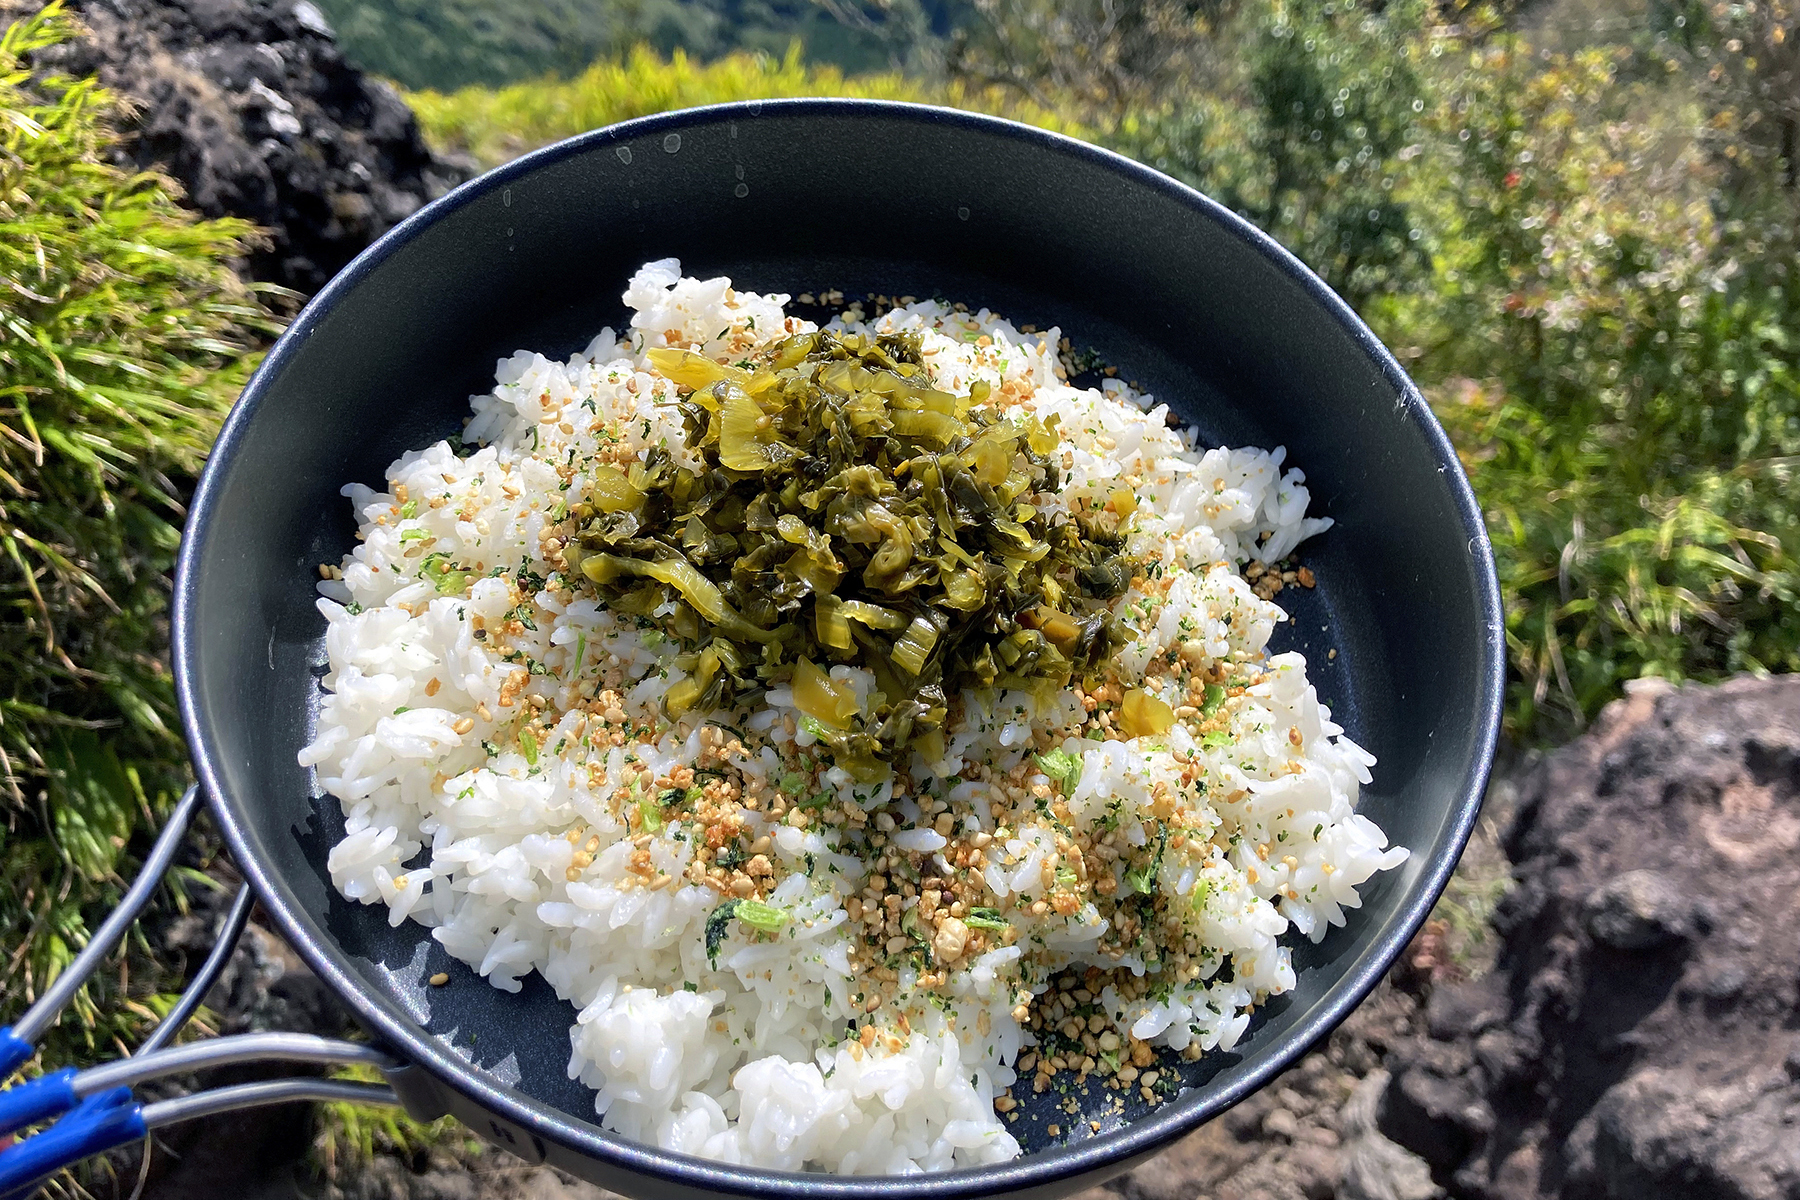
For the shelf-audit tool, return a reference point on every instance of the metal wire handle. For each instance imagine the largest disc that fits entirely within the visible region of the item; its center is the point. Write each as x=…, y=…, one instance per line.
x=269, y=1091
x=96, y=1109
x=209, y=973
x=41, y=1015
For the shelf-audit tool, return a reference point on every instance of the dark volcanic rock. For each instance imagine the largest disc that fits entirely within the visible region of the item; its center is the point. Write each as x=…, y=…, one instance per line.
x=1639, y=1036
x=249, y=105
x=1638, y=910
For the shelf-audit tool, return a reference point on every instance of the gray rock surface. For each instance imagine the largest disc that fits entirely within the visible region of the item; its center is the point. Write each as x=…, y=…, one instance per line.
x=1375, y=1168
x=1639, y=910
x=1637, y=1038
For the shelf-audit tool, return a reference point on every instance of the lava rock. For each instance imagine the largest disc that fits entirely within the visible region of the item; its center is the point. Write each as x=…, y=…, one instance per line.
x=1636, y=911
x=1666, y=1133
x=251, y=108
x=1375, y=1168
x=1635, y=1036
x=1464, y=1012
x=1432, y=1106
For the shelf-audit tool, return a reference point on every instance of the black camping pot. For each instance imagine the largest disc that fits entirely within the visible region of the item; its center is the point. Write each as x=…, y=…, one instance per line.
x=795, y=196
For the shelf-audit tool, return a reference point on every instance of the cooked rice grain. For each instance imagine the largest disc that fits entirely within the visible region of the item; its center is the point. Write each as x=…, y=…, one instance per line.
x=480, y=712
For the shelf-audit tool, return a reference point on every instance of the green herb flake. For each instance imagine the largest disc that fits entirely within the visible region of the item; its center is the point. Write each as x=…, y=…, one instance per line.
x=764, y=918
x=1063, y=768
x=650, y=812
x=985, y=918
x=717, y=926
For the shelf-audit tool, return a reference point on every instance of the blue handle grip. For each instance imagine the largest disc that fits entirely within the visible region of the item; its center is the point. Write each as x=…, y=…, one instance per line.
x=37, y=1099
x=15, y=1052
x=99, y=1123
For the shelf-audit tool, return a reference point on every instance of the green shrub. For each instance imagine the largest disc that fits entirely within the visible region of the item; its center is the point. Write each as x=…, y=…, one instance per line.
x=1584, y=260
x=449, y=44
x=124, y=337
x=455, y=43
x=1611, y=343
x=498, y=124
x=1306, y=132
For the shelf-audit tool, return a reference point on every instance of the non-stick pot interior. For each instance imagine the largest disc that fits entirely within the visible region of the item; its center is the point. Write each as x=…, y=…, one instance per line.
x=867, y=199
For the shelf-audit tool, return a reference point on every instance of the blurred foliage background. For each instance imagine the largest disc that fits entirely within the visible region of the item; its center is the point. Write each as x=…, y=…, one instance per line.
x=448, y=44
x=1574, y=222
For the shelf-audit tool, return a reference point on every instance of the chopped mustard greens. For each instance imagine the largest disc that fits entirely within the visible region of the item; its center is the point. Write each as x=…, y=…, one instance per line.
x=847, y=512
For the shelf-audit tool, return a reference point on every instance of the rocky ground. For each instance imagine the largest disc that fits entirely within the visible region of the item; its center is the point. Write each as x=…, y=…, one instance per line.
x=1639, y=1037
x=250, y=106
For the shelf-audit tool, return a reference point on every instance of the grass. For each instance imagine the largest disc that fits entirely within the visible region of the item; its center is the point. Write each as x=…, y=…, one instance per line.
x=124, y=336
x=501, y=123
x=349, y=1134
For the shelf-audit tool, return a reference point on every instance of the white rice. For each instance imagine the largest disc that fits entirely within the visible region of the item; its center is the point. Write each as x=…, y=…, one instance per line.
x=750, y=1062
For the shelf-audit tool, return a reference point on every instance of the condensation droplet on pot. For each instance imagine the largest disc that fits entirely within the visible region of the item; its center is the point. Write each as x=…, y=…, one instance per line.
x=741, y=190
x=624, y=153
x=672, y=143
x=733, y=128
x=962, y=213
x=740, y=170
x=756, y=108
x=506, y=197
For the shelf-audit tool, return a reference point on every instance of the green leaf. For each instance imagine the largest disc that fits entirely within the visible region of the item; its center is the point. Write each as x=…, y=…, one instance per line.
x=650, y=812
x=91, y=801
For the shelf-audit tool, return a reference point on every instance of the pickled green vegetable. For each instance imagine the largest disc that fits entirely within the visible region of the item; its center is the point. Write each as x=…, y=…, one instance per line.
x=846, y=512
x=717, y=926
x=1062, y=767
